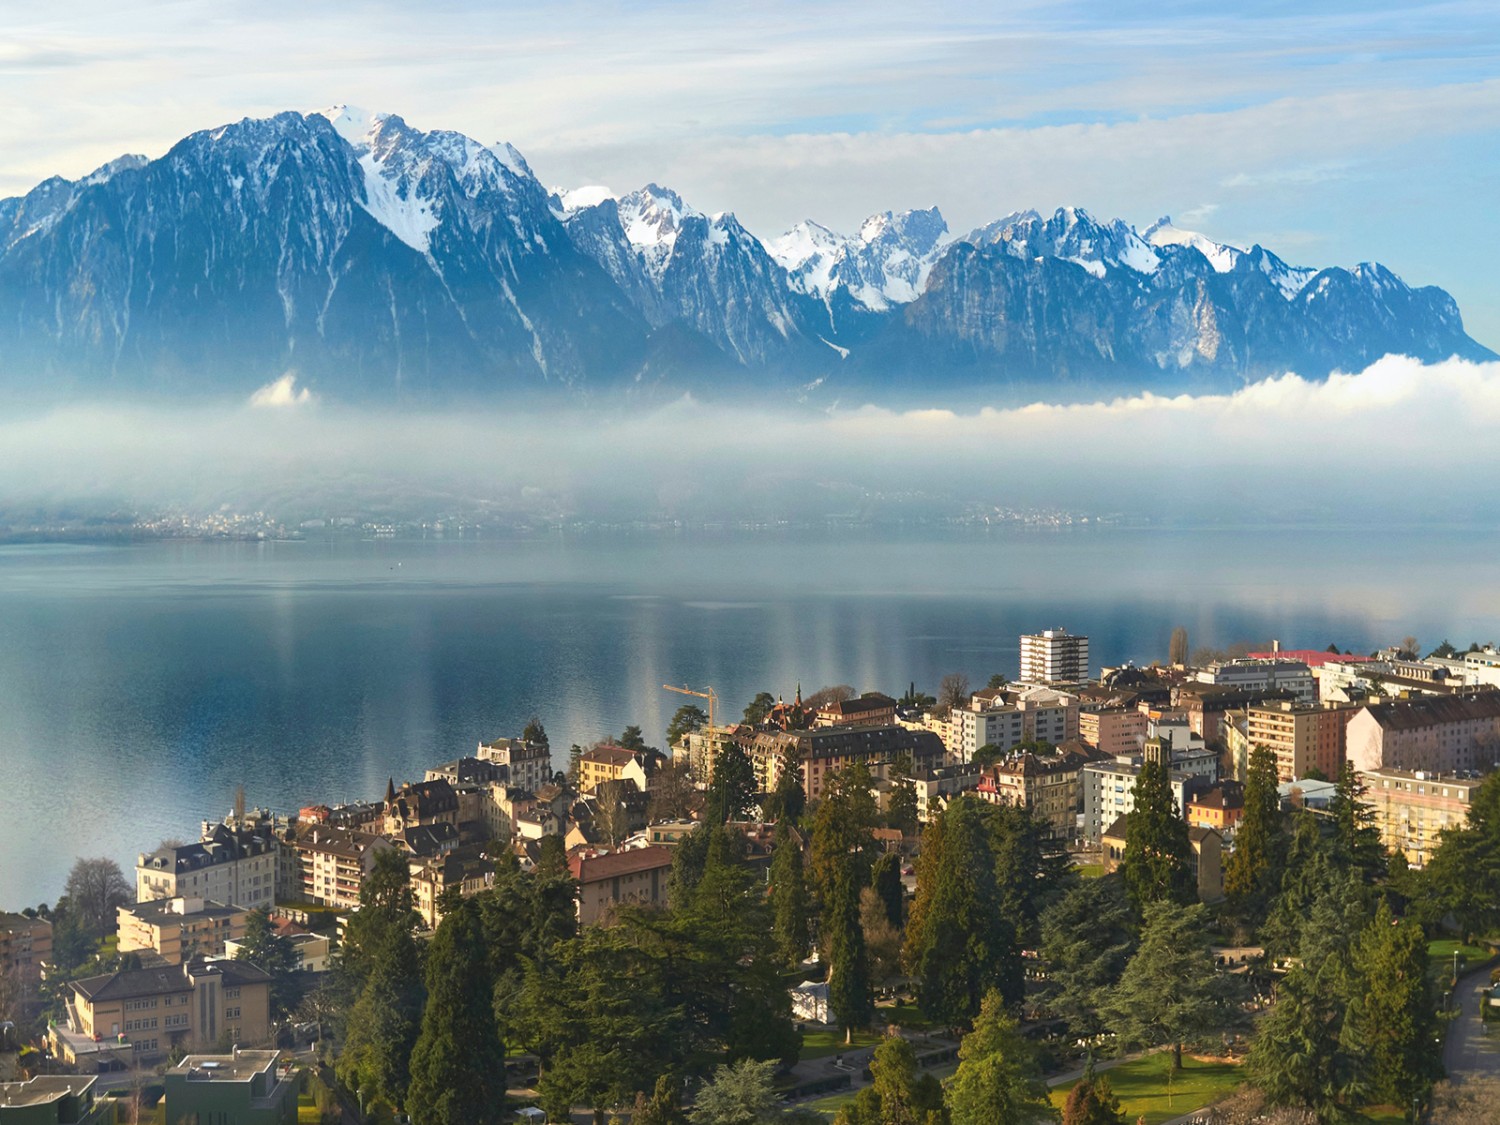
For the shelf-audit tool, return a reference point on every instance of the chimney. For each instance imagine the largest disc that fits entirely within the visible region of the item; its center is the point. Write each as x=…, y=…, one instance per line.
x=1275, y=645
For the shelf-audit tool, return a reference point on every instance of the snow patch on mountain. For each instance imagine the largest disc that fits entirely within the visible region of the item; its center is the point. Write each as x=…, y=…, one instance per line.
x=1221, y=255
x=887, y=263
x=576, y=199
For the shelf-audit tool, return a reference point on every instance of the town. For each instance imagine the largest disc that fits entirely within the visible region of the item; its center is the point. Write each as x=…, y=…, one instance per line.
x=1224, y=887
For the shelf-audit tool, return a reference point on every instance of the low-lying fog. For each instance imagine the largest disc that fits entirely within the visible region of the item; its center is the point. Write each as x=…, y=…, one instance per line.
x=1399, y=440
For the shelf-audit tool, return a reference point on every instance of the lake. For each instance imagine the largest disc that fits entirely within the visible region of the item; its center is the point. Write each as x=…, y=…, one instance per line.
x=139, y=685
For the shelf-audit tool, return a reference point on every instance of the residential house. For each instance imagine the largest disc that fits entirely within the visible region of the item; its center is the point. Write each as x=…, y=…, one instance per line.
x=176, y=929
x=426, y=802
x=821, y=753
x=466, y=870
x=615, y=763
x=1046, y=784
x=1219, y=808
x=528, y=764
x=605, y=880
x=24, y=944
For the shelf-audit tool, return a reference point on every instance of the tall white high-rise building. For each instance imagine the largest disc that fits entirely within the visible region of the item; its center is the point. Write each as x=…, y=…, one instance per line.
x=1054, y=656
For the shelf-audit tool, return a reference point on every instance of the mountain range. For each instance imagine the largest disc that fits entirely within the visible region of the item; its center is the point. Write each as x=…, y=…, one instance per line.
x=380, y=262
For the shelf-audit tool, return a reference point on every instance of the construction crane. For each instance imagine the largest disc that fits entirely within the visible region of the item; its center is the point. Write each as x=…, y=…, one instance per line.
x=708, y=695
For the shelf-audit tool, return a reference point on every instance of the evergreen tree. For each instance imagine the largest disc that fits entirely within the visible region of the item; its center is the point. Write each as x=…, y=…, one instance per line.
x=384, y=1022
x=1253, y=873
x=264, y=948
x=788, y=896
x=896, y=1095
x=959, y=944
x=731, y=790
x=631, y=738
x=885, y=877
x=688, y=717
x=534, y=733
x=458, y=1063
x=1305, y=879
x=1171, y=992
x=1158, y=862
x=901, y=808
x=1391, y=1014
x=758, y=708
x=1092, y=1101
x=1355, y=837
x=1088, y=938
x=1300, y=1056
x=997, y=1078
x=843, y=827
x=742, y=1094
x=1031, y=872
x=841, y=941
x=788, y=800
x=688, y=861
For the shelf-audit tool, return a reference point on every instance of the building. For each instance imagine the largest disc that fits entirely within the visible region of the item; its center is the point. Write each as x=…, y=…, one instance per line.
x=1205, y=705
x=699, y=748
x=176, y=929
x=614, y=763
x=1003, y=726
x=870, y=709
x=54, y=1099
x=1276, y=674
x=1219, y=808
x=1412, y=807
x=1302, y=737
x=1046, y=784
x=328, y=865
x=1108, y=787
x=1054, y=656
x=241, y=1088
x=636, y=876
x=314, y=952
x=1112, y=730
x=528, y=764
x=465, y=871
x=1432, y=734
x=24, y=944
x=232, y=866
x=937, y=786
x=425, y=803
x=1208, y=857
x=821, y=753
x=148, y=1012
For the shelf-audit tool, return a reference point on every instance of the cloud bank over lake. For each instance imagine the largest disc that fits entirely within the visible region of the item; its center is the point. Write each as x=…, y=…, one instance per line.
x=1399, y=440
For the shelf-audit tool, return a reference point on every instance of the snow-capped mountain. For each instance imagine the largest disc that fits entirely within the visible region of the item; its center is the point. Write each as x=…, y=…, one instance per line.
x=378, y=260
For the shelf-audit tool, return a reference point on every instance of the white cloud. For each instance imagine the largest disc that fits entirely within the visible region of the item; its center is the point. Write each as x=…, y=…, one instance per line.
x=281, y=394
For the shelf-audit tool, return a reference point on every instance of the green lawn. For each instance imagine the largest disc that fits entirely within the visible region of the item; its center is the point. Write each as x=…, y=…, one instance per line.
x=821, y=1043
x=906, y=1015
x=1141, y=1085
x=1090, y=870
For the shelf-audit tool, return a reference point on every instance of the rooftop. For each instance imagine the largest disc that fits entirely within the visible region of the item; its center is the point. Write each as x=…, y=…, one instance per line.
x=43, y=1089
x=238, y=1067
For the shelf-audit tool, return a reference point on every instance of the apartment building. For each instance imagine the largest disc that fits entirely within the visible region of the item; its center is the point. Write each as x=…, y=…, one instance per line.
x=1048, y=785
x=821, y=753
x=1431, y=733
x=613, y=763
x=528, y=764
x=870, y=709
x=1264, y=675
x=1412, y=807
x=176, y=929
x=241, y=1088
x=328, y=865
x=606, y=880
x=1003, y=726
x=1302, y=737
x=24, y=944
x=150, y=1011
x=1054, y=656
x=419, y=804
x=232, y=866
x=1112, y=730
x=1108, y=787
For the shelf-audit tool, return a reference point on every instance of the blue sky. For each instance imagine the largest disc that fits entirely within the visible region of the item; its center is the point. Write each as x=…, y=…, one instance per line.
x=1330, y=132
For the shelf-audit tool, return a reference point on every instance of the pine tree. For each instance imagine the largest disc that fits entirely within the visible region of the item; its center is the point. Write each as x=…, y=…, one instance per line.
x=1088, y=938
x=842, y=943
x=458, y=1064
x=1356, y=839
x=1158, y=862
x=384, y=1023
x=901, y=809
x=997, y=1078
x=731, y=790
x=886, y=879
x=1253, y=872
x=264, y=948
x=788, y=896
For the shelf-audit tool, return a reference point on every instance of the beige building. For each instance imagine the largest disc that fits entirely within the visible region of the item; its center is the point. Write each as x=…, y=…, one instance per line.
x=822, y=753
x=636, y=876
x=329, y=865
x=1208, y=857
x=237, y=867
x=150, y=1011
x=528, y=764
x=24, y=944
x=870, y=709
x=1049, y=785
x=176, y=929
x=1432, y=733
x=1302, y=737
x=1411, y=808
x=1113, y=731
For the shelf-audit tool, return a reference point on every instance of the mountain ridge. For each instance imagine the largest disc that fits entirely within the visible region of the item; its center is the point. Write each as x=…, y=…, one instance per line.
x=384, y=262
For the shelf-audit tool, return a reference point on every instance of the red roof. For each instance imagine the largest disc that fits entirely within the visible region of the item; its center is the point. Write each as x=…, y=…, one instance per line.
x=588, y=869
x=1313, y=658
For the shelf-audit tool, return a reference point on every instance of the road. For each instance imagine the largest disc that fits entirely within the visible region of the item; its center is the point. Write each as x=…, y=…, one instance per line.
x=1469, y=1051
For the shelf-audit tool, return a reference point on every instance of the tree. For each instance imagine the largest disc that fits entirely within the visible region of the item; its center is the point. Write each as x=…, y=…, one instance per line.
x=631, y=739
x=901, y=808
x=731, y=790
x=997, y=1078
x=1158, y=861
x=953, y=690
x=534, y=733
x=1356, y=840
x=959, y=944
x=95, y=890
x=841, y=941
x=1171, y=992
x=688, y=861
x=552, y=858
x=458, y=1063
x=1299, y=1058
x=759, y=708
x=662, y=1107
x=611, y=817
x=264, y=948
x=788, y=800
x=742, y=1094
x=996, y=681
x=688, y=717
x=843, y=826
x=882, y=940
x=885, y=878
x=917, y=700
x=1088, y=937
x=1092, y=1101
x=1177, y=647
x=896, y=1095
x=385, y=1021
x=788, y=896
x=1031, y=871
x=1391, y=1014
x=672, y=796
x=1253, y=874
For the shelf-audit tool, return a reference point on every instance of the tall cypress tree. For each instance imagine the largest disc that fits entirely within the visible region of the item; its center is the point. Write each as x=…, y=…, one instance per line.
x=886, y=879
x=1158, y=863
x=1253, y=874
x=458, y=1064
x=788, y=896
x=842, y=943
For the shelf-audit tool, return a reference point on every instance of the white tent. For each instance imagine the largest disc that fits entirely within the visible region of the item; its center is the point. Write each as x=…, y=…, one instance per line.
x=810, y=1001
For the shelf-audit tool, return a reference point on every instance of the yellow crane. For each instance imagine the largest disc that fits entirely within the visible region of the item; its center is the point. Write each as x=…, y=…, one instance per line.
x=708, y=695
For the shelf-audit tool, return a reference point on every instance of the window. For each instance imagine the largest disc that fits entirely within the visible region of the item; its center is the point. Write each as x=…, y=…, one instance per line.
x=231, y=1013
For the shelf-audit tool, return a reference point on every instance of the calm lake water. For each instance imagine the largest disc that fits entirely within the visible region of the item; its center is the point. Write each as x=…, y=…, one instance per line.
x=140, y=685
